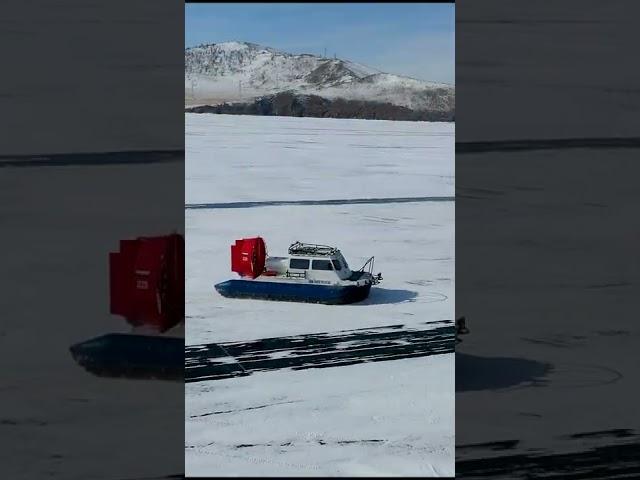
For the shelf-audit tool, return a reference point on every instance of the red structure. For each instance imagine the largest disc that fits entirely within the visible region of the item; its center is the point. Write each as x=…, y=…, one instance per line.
x=248, y=257
x=146, y=281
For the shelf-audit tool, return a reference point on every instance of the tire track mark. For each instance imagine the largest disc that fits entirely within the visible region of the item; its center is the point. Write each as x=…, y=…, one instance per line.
x=547, y=144
x=324, y=350
x=344, y=201
x=133, y=157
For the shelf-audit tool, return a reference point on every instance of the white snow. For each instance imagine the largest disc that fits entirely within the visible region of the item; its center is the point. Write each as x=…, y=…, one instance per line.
x=585, y=334
x=404, y=91
x=63, y=421
x=570, y=82
x=407, y=404
x=98, y=78
x=360, y=69
x=246, y=158
x=571, y=85
x=412, y=243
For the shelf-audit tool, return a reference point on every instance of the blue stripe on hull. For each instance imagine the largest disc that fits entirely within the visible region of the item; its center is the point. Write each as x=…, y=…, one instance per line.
x=290, y=292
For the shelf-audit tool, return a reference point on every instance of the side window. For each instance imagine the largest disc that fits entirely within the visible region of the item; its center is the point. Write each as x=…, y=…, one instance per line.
x=322, y=265
x=299, y=263
x=336, y=264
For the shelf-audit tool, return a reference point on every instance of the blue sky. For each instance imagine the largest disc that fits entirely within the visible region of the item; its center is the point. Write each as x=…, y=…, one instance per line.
x=417, y=40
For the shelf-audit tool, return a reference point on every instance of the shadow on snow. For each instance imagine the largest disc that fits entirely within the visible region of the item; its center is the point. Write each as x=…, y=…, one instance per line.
x=475, y=373
x=381, y=296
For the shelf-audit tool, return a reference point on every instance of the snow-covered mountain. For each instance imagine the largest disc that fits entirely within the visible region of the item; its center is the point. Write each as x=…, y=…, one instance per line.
x=241, y=71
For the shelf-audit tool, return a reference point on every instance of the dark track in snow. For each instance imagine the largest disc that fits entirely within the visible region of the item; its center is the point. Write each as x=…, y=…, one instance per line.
x=619, y=460
x=321, y=350
x=134, y=157
x=547, y=144
x=166, y=477
x=346, y=201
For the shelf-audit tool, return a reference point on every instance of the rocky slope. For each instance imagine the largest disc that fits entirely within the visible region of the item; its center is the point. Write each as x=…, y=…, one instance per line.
x=290, y=104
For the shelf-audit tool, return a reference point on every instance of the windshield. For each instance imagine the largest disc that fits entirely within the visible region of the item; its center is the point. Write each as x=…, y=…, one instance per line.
x=336, y=264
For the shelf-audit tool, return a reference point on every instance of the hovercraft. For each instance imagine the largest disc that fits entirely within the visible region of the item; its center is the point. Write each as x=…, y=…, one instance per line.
x=311, y=273
x=146, y=287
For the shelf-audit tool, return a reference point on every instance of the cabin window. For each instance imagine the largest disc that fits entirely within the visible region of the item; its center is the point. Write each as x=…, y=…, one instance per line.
x=322, y=265
x=336, y=264
x=299, y=263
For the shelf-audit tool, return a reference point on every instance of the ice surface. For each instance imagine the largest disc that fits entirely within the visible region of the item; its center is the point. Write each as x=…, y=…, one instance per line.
x=570, y=83
x=243, y=158
x=92, y=89
x=562, y=222
x=385, y=418
x=560, y=207
x=59, y=420
x=412, y=243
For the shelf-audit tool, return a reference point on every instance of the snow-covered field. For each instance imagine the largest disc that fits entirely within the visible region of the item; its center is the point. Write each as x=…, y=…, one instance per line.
x=572, y=310
x=413, y=245
x=384, y=418
x=391, y=417
x=568, y=315
x=246, y=158
x=556, y=82
x=58, y=420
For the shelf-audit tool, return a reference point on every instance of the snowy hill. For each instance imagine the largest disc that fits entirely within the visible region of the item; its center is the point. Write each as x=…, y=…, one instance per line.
x=240, y=71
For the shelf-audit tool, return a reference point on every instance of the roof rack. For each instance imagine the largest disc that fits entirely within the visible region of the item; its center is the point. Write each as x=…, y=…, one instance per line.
x=299, y=248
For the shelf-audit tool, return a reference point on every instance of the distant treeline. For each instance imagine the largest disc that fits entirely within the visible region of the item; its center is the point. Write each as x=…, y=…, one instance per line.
x=295, y=105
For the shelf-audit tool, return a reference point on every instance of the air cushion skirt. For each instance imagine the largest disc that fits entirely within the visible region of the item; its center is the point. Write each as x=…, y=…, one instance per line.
x=294, y=292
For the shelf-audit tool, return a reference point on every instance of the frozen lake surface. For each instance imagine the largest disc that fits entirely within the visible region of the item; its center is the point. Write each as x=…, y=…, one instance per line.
x=245, y=158
x=60, y=270
x=392, y=417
